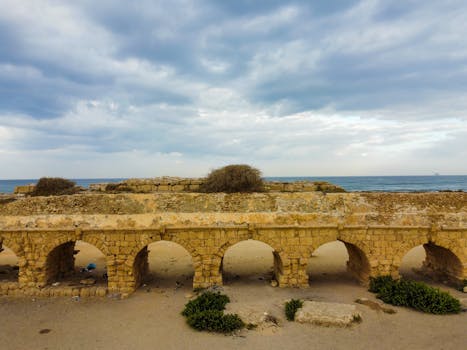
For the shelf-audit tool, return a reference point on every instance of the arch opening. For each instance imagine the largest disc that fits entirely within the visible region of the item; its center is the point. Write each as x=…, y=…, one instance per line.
x=9, y=268
x=250, y=261
x=338, y=260
x=411, y=266
x=164, y=264
x=432, y=262
x=76, y=264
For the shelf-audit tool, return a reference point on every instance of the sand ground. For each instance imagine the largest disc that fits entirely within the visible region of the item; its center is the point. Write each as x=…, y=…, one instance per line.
x=150, y=318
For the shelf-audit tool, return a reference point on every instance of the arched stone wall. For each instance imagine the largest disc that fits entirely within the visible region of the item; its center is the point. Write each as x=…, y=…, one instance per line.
x=8, y=265
x=60, y=261
x=286, y=270
x=443, y=264
x=136, y=262
x=364, y=256
x=358, y=265
x=15, y=244
x=276, y=259
x=372, y=251
x=141, y=265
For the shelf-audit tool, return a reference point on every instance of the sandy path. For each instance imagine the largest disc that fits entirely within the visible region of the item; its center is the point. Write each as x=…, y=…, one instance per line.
x=150, y=319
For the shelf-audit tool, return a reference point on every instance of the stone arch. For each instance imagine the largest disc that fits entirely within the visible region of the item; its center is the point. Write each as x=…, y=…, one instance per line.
x=442, y=262
x=12, y=244
x=357, y=265
x=139, y=261
x=60, y=260
x=411, y=263
x=280, y=260
x=9, y=263
x=402, y=249
x=96, y=241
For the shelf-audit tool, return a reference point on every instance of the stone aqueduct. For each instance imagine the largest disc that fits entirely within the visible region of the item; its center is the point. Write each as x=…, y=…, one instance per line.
x=378, y=229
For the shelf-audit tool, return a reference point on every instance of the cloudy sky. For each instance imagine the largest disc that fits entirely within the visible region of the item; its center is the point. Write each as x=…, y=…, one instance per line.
x=146, y=88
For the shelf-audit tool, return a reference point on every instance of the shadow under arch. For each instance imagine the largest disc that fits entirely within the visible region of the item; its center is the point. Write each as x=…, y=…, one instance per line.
x=338, y=260
x=432, y=261
x=9, y=264
x=250, y=259
x=74, y=261
x=167, y=263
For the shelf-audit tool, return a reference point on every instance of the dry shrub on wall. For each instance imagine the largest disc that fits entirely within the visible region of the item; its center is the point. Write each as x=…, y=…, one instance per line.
x=234, y=178
x=118, y=187
x=54, y=186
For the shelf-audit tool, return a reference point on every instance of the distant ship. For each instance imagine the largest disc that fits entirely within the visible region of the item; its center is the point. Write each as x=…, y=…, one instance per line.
x=436, y=174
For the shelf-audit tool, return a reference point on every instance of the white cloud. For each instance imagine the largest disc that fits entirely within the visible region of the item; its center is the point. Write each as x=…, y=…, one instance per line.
x=98, y=89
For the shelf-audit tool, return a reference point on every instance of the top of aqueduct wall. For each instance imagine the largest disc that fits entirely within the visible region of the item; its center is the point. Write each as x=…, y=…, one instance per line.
x=155, y=210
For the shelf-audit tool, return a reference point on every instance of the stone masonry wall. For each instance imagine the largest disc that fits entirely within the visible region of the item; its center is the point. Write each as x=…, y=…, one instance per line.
x=377, y=230
x=176, y=184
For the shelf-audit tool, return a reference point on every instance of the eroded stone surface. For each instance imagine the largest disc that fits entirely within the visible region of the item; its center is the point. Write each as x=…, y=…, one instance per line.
x=327, y=314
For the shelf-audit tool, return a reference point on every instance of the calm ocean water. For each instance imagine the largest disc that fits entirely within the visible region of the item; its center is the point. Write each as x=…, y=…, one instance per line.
x=350, y=183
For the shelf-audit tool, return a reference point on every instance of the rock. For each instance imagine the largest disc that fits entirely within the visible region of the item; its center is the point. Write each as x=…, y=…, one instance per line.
x=88, y=281
x=465, y=289
x=268, y=319
x=255, y=317
x=111, y=296
x=84, y=292
x=101, y=292
x=375, y=306
x=274, y=283
x=328, y=314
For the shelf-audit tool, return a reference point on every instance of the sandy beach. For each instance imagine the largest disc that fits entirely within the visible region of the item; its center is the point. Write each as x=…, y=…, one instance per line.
x=150, y=318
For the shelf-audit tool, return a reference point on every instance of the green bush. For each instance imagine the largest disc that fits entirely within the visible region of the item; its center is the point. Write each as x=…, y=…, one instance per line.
x=206, y=301
x=54, y=186
x=215, y=321
x=233, y=178
x=376, y=283
x=416, y=295
x=205, y=313
x=291, y=308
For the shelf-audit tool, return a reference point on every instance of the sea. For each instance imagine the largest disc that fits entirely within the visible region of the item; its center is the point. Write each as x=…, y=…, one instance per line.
x=350, y=183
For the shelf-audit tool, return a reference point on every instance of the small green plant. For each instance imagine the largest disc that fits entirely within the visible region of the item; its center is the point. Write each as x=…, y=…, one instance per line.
x=291, y=308
x=215, y=321
x=206, y=301
x=54, y=186
x=250, y=326
x=463, y=285
x=357, y=318
x=416, y=295
x=206, y=313
x=233, y=178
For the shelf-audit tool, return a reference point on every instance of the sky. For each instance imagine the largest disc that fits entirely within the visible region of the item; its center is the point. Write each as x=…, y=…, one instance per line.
x=121, y=88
